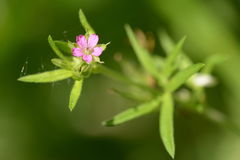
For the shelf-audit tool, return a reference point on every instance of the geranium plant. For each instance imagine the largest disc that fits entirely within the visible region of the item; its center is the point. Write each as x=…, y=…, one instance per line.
x=176, y=82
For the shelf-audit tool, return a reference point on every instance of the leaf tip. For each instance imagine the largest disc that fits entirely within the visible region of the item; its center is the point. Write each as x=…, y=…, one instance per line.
x=49, y=37
x=81, y=12
x=20, y=79
x=108, y=123
x=127, y=27
x=71, y=108
x=172, y=153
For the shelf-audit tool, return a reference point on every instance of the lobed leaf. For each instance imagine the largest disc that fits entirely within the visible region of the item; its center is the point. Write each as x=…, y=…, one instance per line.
x=166, y=124
x=85, y=24
x=182, y=76
x=46, y=77
x=142, y=54
x=75, y=93
x=133, y=113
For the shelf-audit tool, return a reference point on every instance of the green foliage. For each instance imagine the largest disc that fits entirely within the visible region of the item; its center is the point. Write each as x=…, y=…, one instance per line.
x=133, y=113
x=71, y=67
x=161, y=78
x=142, y=54
x=63, y=47
x=46, y=77
x=212, y=61
x=182, y=76
x=170, y=73
x=166, y=124
x=170, y=64
x=55, y=48
x=60, y=63
x=75, y=93
x=85, y=24
x=131, y=95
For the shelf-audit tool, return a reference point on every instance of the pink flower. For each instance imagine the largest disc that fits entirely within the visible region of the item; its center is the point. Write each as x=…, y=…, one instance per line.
x=87, y=47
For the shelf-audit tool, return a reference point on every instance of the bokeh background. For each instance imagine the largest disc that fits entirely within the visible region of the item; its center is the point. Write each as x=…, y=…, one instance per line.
x=35, y=122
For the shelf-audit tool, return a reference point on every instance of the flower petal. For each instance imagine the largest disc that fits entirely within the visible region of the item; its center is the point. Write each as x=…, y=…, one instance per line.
x=97, y=51
x=81, y=41
x=87, y=58
x=77, y=52
x=92, y=40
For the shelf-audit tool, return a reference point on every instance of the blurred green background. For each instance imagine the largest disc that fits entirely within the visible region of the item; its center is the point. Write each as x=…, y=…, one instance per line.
x=35, y=122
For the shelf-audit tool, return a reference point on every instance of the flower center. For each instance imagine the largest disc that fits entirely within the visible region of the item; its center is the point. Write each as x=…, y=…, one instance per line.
x=88, y=51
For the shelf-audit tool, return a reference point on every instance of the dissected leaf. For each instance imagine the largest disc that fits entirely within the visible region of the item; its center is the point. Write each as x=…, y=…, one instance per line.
x=85, y=23
x=63, y=46
x=166, y=124
x=49, y=76
x=142, y=54
x=133, y=113
x=75, y=93
x=182, y=76
x=55, y=48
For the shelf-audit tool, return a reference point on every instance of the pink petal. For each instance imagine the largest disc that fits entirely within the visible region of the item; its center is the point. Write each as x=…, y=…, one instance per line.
x=87, y=58
x=81, y=41
x=97, y=51
x=92, y=40
x=77, y=52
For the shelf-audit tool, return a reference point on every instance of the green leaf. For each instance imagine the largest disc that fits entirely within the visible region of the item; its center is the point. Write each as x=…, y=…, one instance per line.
x=182, y=76
x=55, y=48
x=142, y=54
x=85, y=24
x=212, y=61
x=45, y=77
x=63, y=46
x=168, y=45
x=166, y=42
x=60, y=63
x=133, y=113
x=119, y=77
x=75, y=93
x=166, y=124
x=132, y=95
x=171, y=60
